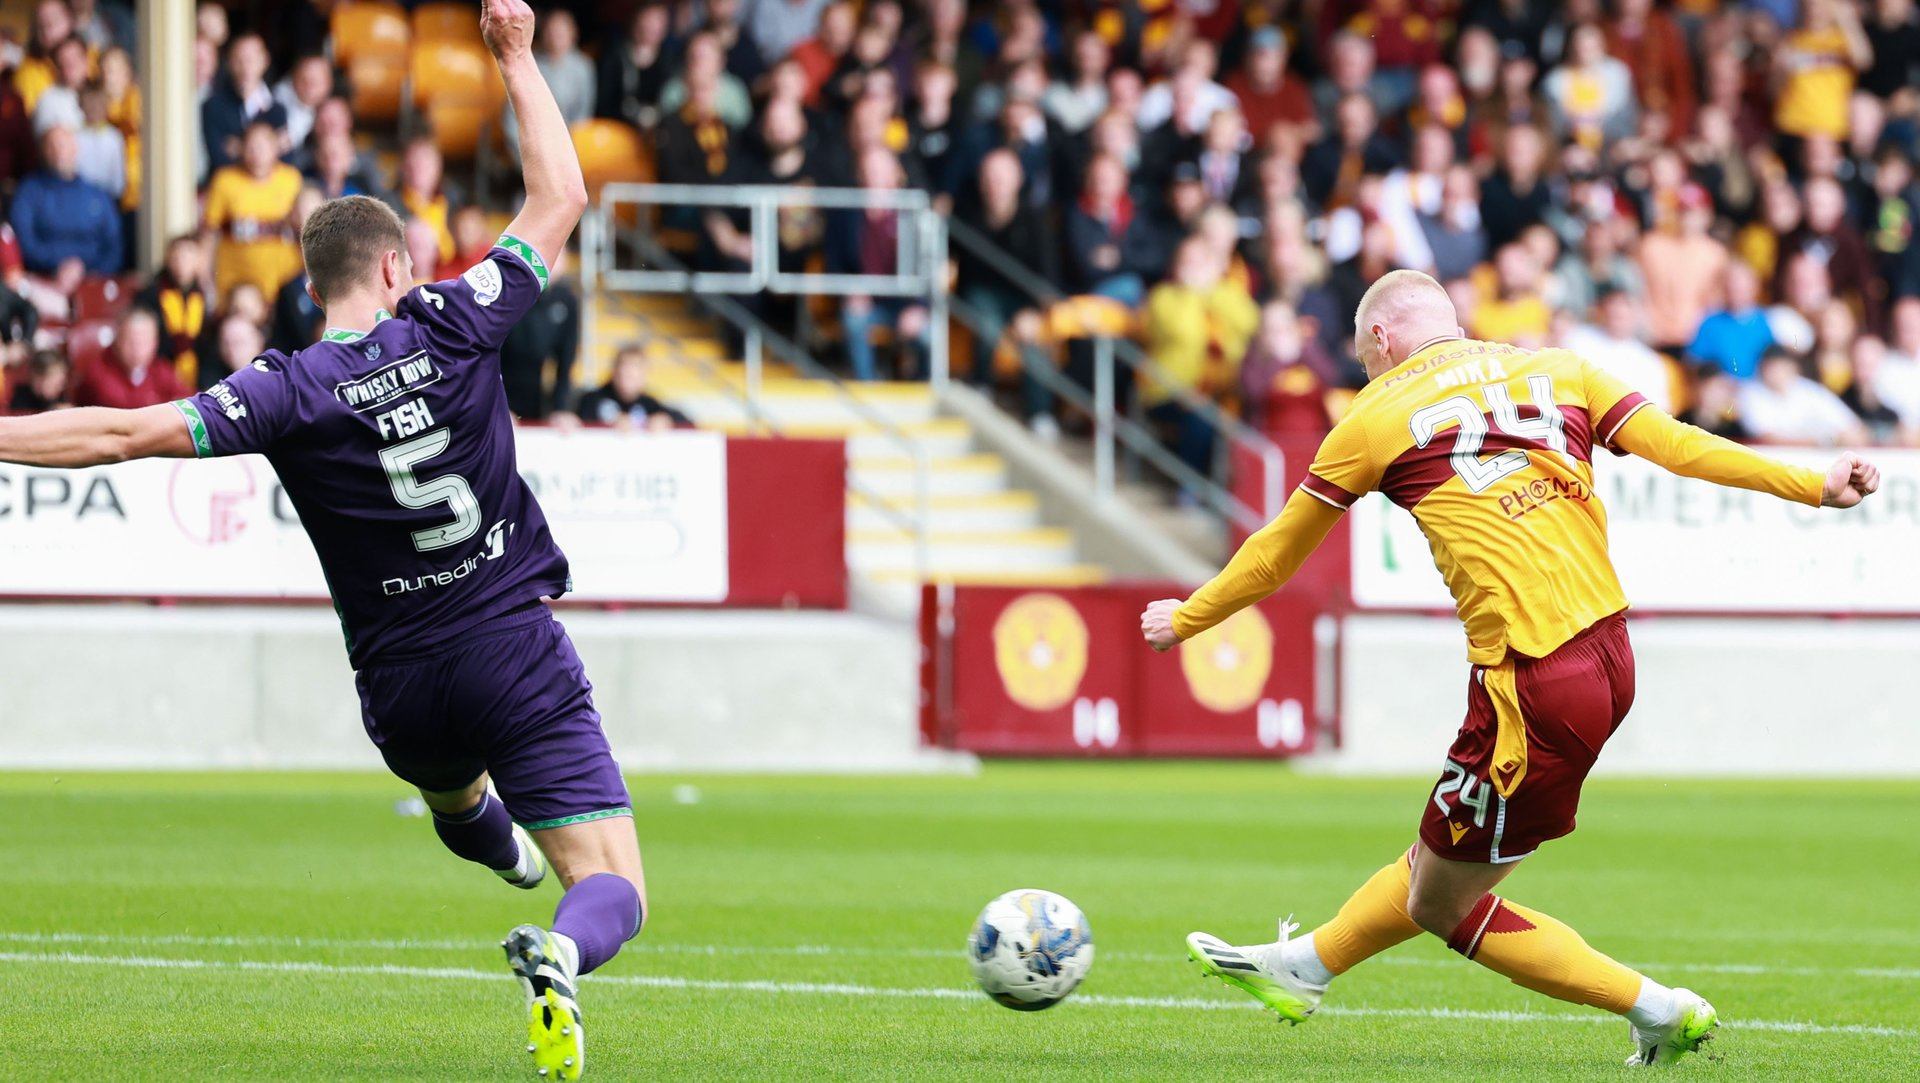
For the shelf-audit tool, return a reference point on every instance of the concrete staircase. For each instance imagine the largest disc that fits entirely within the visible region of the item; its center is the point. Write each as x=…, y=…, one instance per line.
x=982, y=528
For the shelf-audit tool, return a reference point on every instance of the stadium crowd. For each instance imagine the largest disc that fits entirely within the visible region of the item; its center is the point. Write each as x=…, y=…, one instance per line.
x=1714, y=199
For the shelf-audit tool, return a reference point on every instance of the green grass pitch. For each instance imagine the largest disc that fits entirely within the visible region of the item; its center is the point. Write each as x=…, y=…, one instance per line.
x=292, y=926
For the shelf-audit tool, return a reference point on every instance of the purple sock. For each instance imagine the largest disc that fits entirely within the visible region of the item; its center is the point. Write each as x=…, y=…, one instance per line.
x=599, y=914
x=483, y=833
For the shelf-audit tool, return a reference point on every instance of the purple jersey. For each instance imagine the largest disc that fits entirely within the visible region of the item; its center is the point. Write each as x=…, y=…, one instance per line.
x=396, y=449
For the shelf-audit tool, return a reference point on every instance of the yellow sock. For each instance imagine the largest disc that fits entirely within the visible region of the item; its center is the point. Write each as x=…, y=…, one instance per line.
x=1371, y=921
x=1538, y=952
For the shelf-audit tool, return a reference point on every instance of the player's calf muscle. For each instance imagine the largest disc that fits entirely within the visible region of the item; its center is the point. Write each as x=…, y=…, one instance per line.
x=577, y=851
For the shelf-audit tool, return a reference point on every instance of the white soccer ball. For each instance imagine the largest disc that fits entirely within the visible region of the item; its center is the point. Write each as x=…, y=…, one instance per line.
x=1030, y=948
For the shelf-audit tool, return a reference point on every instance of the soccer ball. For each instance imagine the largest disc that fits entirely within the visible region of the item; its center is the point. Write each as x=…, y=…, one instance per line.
x=1030, y=948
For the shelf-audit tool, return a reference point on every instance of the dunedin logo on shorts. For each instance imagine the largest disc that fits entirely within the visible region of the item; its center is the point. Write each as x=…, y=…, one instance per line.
x=1227, y=665
x=485, y=279
x=1040, y=649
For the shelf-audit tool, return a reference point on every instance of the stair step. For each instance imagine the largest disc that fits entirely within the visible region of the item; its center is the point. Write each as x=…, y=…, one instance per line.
x=1068, y=575
x=942, y=437
x=1012, y=510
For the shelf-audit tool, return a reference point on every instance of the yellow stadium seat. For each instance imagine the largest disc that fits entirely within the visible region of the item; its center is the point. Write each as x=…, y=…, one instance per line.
x=611, y=151
x=366, y=29
x=455, y=71
x=1090, y=315
x=459, y=127
x=377, y=86
x=447, y=22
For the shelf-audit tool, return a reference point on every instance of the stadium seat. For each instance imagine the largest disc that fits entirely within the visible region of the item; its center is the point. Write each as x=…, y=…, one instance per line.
x=611, y=152
x=446, y=22
x=459, y=127
x=87, y=343
x=364, y=29
x=101, y=298
x=378, y=84
x=454, y=71
x=1088, y=316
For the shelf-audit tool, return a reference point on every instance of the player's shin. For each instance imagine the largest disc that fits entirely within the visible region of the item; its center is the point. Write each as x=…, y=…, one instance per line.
x=483, y=834
x=1372, y=920
x=599, y=913
x=1538, y=952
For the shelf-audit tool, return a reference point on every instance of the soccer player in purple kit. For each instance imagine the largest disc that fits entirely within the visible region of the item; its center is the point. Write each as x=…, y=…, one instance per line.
x=393, y=441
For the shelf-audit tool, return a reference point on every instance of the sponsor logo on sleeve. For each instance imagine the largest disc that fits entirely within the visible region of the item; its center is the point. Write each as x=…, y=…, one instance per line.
x=383, y=385
x=230, y=403
x=485, y=279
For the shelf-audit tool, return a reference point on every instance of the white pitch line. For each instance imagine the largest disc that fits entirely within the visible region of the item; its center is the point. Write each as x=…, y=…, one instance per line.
x=828, y=950
x=841, y=989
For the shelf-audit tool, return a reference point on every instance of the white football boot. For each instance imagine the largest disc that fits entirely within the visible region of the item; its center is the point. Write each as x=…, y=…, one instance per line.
x=548, y=967
x=1692, y=1025
x=532, y=867
x=1259, y=971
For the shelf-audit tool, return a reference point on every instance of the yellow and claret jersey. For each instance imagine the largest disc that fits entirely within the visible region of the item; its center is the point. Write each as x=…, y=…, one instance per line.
x=255, y=220
x=1490, y=447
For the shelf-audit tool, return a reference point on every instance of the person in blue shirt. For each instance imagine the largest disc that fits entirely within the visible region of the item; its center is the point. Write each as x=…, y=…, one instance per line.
x=66, y=226
x=1735, y=335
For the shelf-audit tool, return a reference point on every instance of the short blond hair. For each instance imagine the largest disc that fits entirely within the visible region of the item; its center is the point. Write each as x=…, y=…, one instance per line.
x=1394, y=293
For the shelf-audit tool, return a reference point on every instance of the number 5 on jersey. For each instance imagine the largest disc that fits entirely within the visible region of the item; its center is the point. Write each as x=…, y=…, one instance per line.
x=449, y=489
x=1470, y=433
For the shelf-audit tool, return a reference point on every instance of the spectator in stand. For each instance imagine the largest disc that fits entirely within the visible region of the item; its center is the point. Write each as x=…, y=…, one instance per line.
x=297, y=321
x=52, y=24
x=424, y=193
x=1225, y=160
x=1453, y=232
x=423, y=249
x=1077, y=100
x=1408, y=193
x=473, y=238
x=1898, y=381
x=1355, y=148
x=1349, y=71
x=1201, y=96
x=102, y=160
x=568, y=71
x=1683, y=267
x=333, y=122
x=1815, y=67
x=249, y=208
x=1868, y=356
x=634, y=70
x=1893, y=202
x=1830, y=239
x=1734, y=336
x=1197, y=326
x=1893, y=30
x=1001, y=305
x=132, y=374
x=623, y=401
x=1287, y=376
x=335, y=168
x=1615, y=345
x=1517, y=194
x=1102, y=232
x=67, y=228
x=776, y=26
x=178, y=300
x=240, y=341
x=1716, y=405
x=933, y=131
x=867, y=241
x=102, y=24
x=301, y=93
x=695, y=144
x=1784, y=406
x=1270, y=95
x=703, y=75
x=821, y=55
x=537, y=359
x=1654, y=48
x=18, y=150
x=59, y=104
x=243, y=100
x=46, y=386
x=19, y=322
x=1512, y=308
x=1592, y=93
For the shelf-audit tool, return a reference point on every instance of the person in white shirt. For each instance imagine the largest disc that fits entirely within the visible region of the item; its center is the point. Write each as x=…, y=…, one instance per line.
x=1898, y=381
x=1614, y=345
x=1783, y=406
x=1197, y=65
x=300, y=94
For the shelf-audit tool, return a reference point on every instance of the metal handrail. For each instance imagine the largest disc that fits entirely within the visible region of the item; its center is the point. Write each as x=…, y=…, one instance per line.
x=1129, y=352
x=597, y=251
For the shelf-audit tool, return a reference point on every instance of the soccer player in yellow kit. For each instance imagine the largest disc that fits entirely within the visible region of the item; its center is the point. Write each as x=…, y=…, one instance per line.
x=1490, y=447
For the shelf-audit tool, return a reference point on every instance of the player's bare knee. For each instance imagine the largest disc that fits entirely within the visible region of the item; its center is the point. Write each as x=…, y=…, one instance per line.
x=1434, y=912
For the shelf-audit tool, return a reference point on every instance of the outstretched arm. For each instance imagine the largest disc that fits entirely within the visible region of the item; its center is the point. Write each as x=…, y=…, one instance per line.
x=95, y=436
x=1695, y=453
x=1264, y=563
x=549, y=166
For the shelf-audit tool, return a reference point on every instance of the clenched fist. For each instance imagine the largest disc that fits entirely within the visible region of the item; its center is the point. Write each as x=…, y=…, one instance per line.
x=1849, y=481
x=507, y=27
x=1156, y=624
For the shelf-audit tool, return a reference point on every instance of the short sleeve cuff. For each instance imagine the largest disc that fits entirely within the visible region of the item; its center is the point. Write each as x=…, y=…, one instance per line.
x=1317, y=486
x=527, y=254
x=1617, y=416
x=196, y=427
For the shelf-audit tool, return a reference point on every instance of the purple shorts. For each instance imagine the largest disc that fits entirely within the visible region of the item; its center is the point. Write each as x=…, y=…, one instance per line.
x=511, y=700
